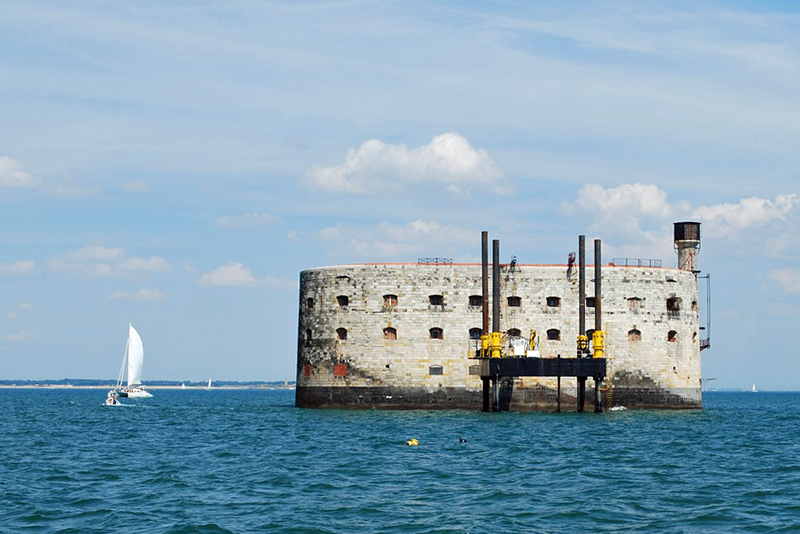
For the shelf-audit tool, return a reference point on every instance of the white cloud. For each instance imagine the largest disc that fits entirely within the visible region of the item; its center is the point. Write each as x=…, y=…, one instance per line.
x=448, y=161
x=633, y=219
x=397, y=242
x=788, y=279
x=135, y=187
x=153, y=264
x=103, y=261
x=723, y=219
x=13, y=175
x=234, y=274
x=624, y=206
x=637, y=218
x=141, y=295
x=18, y=267
x=249, y=220
x=14, y=313
x=20, y=336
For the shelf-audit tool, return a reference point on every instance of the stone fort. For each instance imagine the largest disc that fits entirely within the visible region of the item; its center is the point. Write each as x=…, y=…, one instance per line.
x=406, y=335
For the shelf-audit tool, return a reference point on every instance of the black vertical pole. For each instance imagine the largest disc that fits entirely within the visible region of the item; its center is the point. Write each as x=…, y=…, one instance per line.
x=486, y=394
x=558, y=398
x=581, y=314
x=598, y=313
x=485, y=280
x=581, y=287
x=598, y=285
x=496, y=393
x=598, y=405
x=496, y=285
x=496, y=310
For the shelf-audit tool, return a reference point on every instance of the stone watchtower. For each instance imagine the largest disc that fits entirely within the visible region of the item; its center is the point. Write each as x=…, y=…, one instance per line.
x=687, y=244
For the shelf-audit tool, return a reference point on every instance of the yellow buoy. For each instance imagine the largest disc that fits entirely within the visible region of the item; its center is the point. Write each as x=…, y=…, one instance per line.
x=412, y=442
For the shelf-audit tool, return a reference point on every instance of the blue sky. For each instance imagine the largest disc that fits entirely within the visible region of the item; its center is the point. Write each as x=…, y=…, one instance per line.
x=176, y=164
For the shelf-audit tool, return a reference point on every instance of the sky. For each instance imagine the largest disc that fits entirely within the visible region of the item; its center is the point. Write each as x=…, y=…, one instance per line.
x=176, y=164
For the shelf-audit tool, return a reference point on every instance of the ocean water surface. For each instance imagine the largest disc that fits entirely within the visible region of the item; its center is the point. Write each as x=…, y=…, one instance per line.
x=244, y=461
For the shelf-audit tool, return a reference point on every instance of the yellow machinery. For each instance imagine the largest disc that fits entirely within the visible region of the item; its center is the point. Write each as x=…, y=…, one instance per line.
x=599, y=343
x=491, y=345
x=495, y=345
x=583, y=345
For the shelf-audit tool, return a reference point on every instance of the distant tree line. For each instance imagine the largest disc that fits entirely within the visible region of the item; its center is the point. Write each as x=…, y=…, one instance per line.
x=100, y=382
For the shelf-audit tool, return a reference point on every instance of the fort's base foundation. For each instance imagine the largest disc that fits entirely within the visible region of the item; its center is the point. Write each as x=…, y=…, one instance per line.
x=512, y=398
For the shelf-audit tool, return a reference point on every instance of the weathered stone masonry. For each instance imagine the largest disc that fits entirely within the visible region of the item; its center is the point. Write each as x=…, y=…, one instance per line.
x=398, y=335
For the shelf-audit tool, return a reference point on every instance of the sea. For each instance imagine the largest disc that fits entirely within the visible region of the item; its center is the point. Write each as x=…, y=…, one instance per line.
x=248, y=461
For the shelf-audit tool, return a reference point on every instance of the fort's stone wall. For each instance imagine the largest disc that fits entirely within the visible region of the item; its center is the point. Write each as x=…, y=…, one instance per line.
x=350, y=315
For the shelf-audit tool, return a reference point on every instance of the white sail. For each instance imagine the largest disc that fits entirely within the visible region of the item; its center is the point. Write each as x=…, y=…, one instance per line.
x=133, y=360
x=135, y=357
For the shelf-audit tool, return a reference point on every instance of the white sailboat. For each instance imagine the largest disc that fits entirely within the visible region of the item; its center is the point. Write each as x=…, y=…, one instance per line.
x=209, y=384
x=133, y=362
x=754, y=389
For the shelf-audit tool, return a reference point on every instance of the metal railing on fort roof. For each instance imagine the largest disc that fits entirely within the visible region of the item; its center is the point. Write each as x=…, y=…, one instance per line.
x=635, y=262
x=435, y=261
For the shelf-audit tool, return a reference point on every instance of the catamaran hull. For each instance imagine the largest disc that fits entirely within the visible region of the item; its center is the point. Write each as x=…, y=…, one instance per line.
x=134, y=393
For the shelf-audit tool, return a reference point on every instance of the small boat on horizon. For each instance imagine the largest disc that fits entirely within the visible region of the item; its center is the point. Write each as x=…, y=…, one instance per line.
x=132, y=362
x=754, y=389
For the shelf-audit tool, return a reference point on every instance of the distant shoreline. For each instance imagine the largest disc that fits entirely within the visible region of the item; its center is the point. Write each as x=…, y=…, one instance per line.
x=109, y=386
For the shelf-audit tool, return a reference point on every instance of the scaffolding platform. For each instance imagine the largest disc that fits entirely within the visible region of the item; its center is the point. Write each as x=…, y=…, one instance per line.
x=492, y=370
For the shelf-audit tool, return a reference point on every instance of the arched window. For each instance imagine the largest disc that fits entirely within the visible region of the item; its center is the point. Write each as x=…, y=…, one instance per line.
x=513, y=332
x=554, y=334
x=341, y=334
x=436, y=333
x=436, y=300
x=634, y=335
x=672, y=336
x=343, y=300
x=475, y=333
x=389, y=301
x=634, y=303
x=389, y=333
x=475, y=301
x=309, y=302
x=514, y=302
x=553, y=302
x=435, y=370
x=308, y=337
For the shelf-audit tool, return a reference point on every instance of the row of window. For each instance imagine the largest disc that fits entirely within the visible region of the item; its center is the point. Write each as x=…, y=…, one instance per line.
x=553, y=334
x=475, y=301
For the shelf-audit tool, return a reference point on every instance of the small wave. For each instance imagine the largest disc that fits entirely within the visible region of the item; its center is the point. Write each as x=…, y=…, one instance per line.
x=208, y=528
